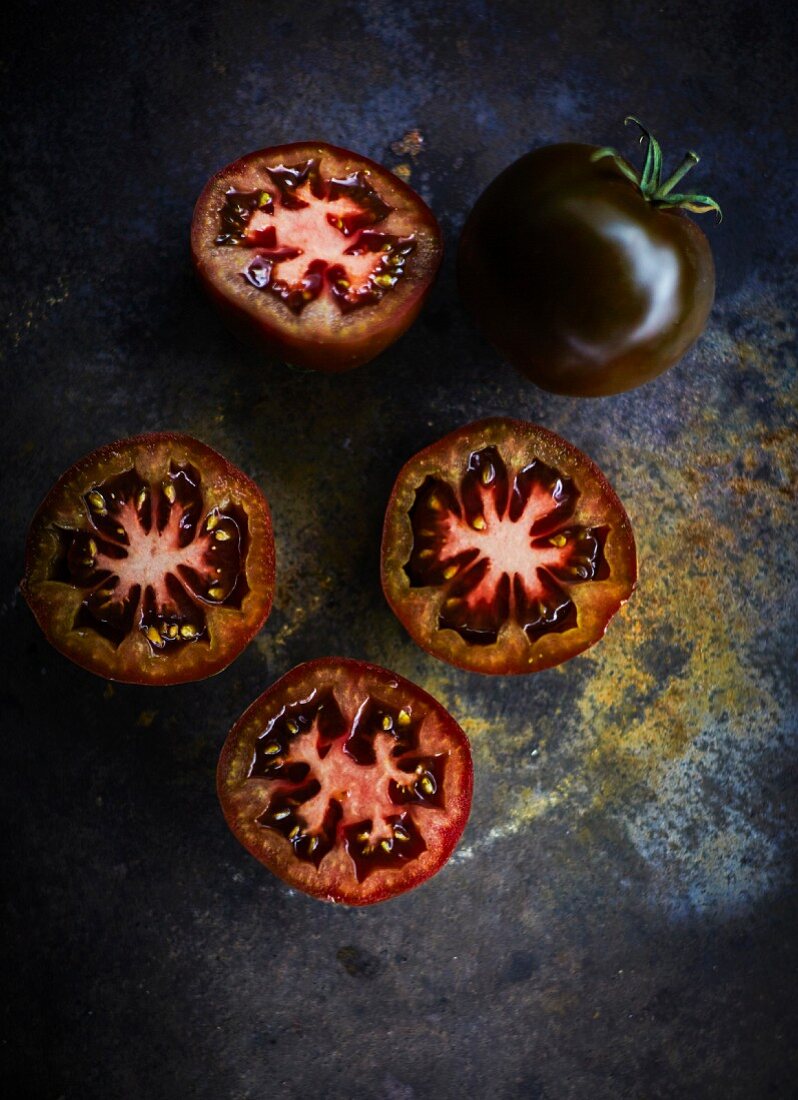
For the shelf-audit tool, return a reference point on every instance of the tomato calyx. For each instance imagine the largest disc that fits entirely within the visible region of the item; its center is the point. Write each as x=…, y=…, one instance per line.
x=649, y=181
x=311, y=233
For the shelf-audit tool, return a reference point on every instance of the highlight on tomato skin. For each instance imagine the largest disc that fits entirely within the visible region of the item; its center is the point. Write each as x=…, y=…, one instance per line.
x=314, y=254
x=505, y=550
x=347, y=781
x=151, y=561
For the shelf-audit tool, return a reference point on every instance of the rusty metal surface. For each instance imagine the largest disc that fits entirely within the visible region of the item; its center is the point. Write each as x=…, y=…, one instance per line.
x=620, y=918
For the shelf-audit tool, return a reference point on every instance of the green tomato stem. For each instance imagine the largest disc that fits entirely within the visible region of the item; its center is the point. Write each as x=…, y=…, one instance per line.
x=648, y=182
x=691, y=159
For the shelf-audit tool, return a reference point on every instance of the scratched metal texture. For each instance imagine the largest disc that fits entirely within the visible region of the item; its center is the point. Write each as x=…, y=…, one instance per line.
x=620, y=918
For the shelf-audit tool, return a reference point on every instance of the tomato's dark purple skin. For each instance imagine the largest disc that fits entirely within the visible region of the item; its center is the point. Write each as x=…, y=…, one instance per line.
x=585, y=285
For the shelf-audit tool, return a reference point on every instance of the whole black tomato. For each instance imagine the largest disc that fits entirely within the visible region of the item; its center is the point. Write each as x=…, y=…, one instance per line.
x=589, y=278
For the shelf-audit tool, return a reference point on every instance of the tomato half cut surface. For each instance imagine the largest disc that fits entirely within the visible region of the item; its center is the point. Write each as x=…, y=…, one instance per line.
x=347, y=781
x=318, y=255
x=505, y=549
x=151, y=561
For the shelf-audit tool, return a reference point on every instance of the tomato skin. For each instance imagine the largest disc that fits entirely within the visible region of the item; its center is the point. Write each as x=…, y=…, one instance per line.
x=324, y=358
x=579, y=281
x=55, y=604
x=273, y=331
x=243, y=800
x=597, y=507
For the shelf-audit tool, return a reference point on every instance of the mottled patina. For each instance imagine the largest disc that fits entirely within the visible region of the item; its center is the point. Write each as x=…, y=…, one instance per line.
x=620, y=918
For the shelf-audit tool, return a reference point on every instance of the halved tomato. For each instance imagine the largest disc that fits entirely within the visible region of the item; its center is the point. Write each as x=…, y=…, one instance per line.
x=151, y=561
x=505, y=550
x=316, y=254
x=347, y=781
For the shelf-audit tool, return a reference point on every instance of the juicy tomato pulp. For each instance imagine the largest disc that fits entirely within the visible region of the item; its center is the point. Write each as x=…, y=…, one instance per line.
x=320, y=255
x=579, y=281
x=151, y=561
x=505, y=550
x=347, y=781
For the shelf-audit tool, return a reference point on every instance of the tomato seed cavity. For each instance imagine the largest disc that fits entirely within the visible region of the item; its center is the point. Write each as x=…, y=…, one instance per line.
x=365, y=779
x=499, y=547
x=312, y=234
x=153, y=559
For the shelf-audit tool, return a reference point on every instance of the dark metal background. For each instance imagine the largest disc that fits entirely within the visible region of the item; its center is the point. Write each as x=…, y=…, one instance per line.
x=620, y=918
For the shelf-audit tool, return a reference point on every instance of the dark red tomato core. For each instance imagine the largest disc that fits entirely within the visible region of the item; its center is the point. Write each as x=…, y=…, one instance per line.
x=505, y=550
x=151, y=561
x=580, y=281
x=347, y=781
x=320, y=254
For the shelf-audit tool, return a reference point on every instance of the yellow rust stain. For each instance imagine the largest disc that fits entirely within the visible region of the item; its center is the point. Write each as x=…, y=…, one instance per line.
x=704, y=589
x=409, y=145
x=271, y=644
x=699, y=595
x=557, y=1001
x=635, y=721
x=705, y=595
x=35, y=311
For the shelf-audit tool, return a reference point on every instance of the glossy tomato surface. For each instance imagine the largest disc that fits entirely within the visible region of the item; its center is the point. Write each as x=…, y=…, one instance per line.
x=347, y=781
x=505, y=549
x=581, y=282
x=318, y=255
x=151, y=561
